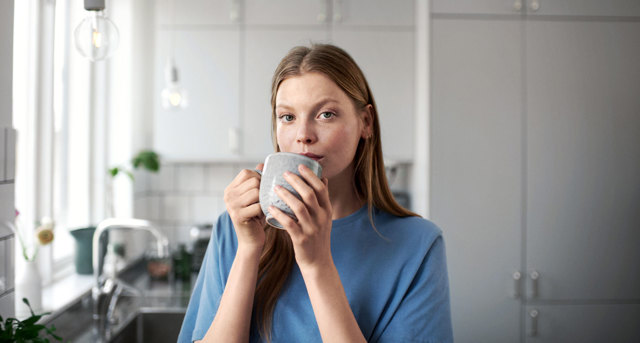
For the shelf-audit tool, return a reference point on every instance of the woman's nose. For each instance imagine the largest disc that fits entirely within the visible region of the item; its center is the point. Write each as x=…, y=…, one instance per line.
x=305, y=134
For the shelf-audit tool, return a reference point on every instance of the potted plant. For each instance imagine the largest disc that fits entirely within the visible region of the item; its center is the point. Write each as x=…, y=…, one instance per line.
x=28, y=330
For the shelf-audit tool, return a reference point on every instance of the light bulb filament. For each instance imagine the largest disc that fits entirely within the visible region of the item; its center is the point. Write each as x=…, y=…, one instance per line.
x=97, y=39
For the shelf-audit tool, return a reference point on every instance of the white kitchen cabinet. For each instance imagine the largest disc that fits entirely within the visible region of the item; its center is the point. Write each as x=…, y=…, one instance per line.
x=373, y=12
x=197, y=12
x=209, y=65
x=584, y=323
x=286, y=12
x=476, y=188
x=502, y=7
x=229, y=80
x=264, y=48
x=583, y=158
x=387, y=59
x=535, y=154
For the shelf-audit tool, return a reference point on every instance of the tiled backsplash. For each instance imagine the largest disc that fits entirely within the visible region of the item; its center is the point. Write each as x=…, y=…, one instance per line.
x=7, y=206
x=182, y=194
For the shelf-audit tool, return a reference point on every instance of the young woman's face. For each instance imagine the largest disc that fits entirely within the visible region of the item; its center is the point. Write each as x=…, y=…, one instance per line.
x=316, y=118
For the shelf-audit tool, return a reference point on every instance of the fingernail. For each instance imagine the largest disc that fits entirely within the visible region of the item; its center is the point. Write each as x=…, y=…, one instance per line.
x=302, y=167
x=287, y=173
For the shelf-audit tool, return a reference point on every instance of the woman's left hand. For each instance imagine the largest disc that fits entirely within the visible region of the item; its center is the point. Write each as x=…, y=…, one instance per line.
x=311, y=234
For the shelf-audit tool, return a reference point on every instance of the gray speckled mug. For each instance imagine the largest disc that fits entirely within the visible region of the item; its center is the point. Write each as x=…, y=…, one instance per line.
x=274, y=166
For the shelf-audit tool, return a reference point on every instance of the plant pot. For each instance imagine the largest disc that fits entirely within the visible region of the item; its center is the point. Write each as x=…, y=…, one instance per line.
x=84, y=248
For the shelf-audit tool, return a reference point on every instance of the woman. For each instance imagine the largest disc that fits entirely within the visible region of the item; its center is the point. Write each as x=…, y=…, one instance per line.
x=356, y=266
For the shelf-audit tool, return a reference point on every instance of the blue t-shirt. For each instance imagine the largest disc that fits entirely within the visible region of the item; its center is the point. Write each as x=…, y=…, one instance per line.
x=398, y=287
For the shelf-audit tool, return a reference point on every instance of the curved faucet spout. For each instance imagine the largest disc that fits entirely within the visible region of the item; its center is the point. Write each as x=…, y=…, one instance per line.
x=124, y=223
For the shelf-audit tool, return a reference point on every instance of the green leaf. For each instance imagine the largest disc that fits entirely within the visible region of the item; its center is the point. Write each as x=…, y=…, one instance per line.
x=148, y=159
x=114, y=171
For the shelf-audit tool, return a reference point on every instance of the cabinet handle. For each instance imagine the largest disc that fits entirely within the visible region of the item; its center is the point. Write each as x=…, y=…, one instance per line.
x=517, y=5
x=533, y=314
x=322, y=16
x=337, y=11
x=534, y=275
x=534, y=5
x=517, y=277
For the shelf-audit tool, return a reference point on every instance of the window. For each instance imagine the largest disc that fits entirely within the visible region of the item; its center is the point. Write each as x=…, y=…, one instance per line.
x=58, y=169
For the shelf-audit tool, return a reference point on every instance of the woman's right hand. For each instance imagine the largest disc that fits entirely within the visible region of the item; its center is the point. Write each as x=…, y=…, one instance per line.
x=242, y=200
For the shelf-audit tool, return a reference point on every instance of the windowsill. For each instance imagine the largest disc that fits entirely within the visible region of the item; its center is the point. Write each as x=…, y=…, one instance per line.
x=61, y=294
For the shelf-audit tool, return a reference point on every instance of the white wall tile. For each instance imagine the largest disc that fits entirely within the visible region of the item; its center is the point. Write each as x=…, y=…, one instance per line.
x=7, y=207
x=3, y=152
x=205, y=209
x=176, y=208
x=141, y=180
x=10, y=245
x=10, y=154
x=140, y=205
x=181, y=235
x=219, y=176
x=190, y=178
x=164, y=180
x=7, y=305
x=154, y=207
x=4, y=265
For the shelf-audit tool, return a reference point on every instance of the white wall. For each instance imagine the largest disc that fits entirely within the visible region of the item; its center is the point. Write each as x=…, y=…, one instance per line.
x=7, y=159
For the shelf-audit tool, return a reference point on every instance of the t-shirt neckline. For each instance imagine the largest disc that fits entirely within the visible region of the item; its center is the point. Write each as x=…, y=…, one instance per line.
x=350, y=218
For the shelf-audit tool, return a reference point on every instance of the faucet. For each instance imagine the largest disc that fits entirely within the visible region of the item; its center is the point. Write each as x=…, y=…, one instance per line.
x=107, y=290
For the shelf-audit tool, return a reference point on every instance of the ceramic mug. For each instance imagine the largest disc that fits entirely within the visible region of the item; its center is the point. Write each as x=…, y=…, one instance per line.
x=272, y=174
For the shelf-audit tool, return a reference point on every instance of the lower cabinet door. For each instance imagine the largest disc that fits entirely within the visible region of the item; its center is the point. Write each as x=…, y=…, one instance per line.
x=582, y=323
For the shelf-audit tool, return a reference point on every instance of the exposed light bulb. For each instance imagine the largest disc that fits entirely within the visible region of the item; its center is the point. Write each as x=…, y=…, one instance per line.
x=96, y=37
x=174, y=97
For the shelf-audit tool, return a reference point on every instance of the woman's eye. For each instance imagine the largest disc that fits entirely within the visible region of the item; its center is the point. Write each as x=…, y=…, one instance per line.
x=327, y=115
x=286, y=117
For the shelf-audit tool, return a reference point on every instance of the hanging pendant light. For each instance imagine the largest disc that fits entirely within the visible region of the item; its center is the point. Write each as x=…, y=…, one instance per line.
x=96, y=37
x=174, y=97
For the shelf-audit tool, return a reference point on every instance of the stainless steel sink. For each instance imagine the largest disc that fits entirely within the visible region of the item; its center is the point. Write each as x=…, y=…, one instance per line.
x=151, y=325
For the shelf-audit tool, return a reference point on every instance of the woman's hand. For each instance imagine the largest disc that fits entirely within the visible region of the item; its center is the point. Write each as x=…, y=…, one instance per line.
x=243, y=204
x=311, y=234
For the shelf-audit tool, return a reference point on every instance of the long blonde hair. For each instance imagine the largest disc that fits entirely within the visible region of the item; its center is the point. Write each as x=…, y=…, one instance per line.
x=369, y=175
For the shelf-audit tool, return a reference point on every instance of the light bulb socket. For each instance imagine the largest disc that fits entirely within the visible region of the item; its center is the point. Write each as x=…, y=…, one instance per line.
x=94, y=5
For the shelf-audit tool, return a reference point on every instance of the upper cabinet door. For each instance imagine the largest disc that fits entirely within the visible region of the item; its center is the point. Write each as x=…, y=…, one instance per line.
x=618, y=8
x=286, y=12
x=209, y=69
x=373, y=12
x=583, y=158
x=197, y=12
x=476, y=170
x=387, y=60
x=478, y=6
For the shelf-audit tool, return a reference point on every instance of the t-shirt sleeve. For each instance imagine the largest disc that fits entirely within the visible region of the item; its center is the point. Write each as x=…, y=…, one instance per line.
x=424, y=314
x=207, y=291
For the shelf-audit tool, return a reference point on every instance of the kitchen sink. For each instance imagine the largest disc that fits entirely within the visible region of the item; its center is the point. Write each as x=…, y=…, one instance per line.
x=152, y=325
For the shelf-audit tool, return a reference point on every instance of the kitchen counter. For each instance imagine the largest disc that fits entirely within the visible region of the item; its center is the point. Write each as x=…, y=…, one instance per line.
x=75, y=324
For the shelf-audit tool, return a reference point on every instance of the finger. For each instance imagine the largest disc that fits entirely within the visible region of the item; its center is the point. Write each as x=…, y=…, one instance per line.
x=251, y=211
x=248, y=198
x=318, y=185
x=246, y=185
x=260, y=166
x=242, y=176
x=298, y=207
x=288, y=223
x=307, y=193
